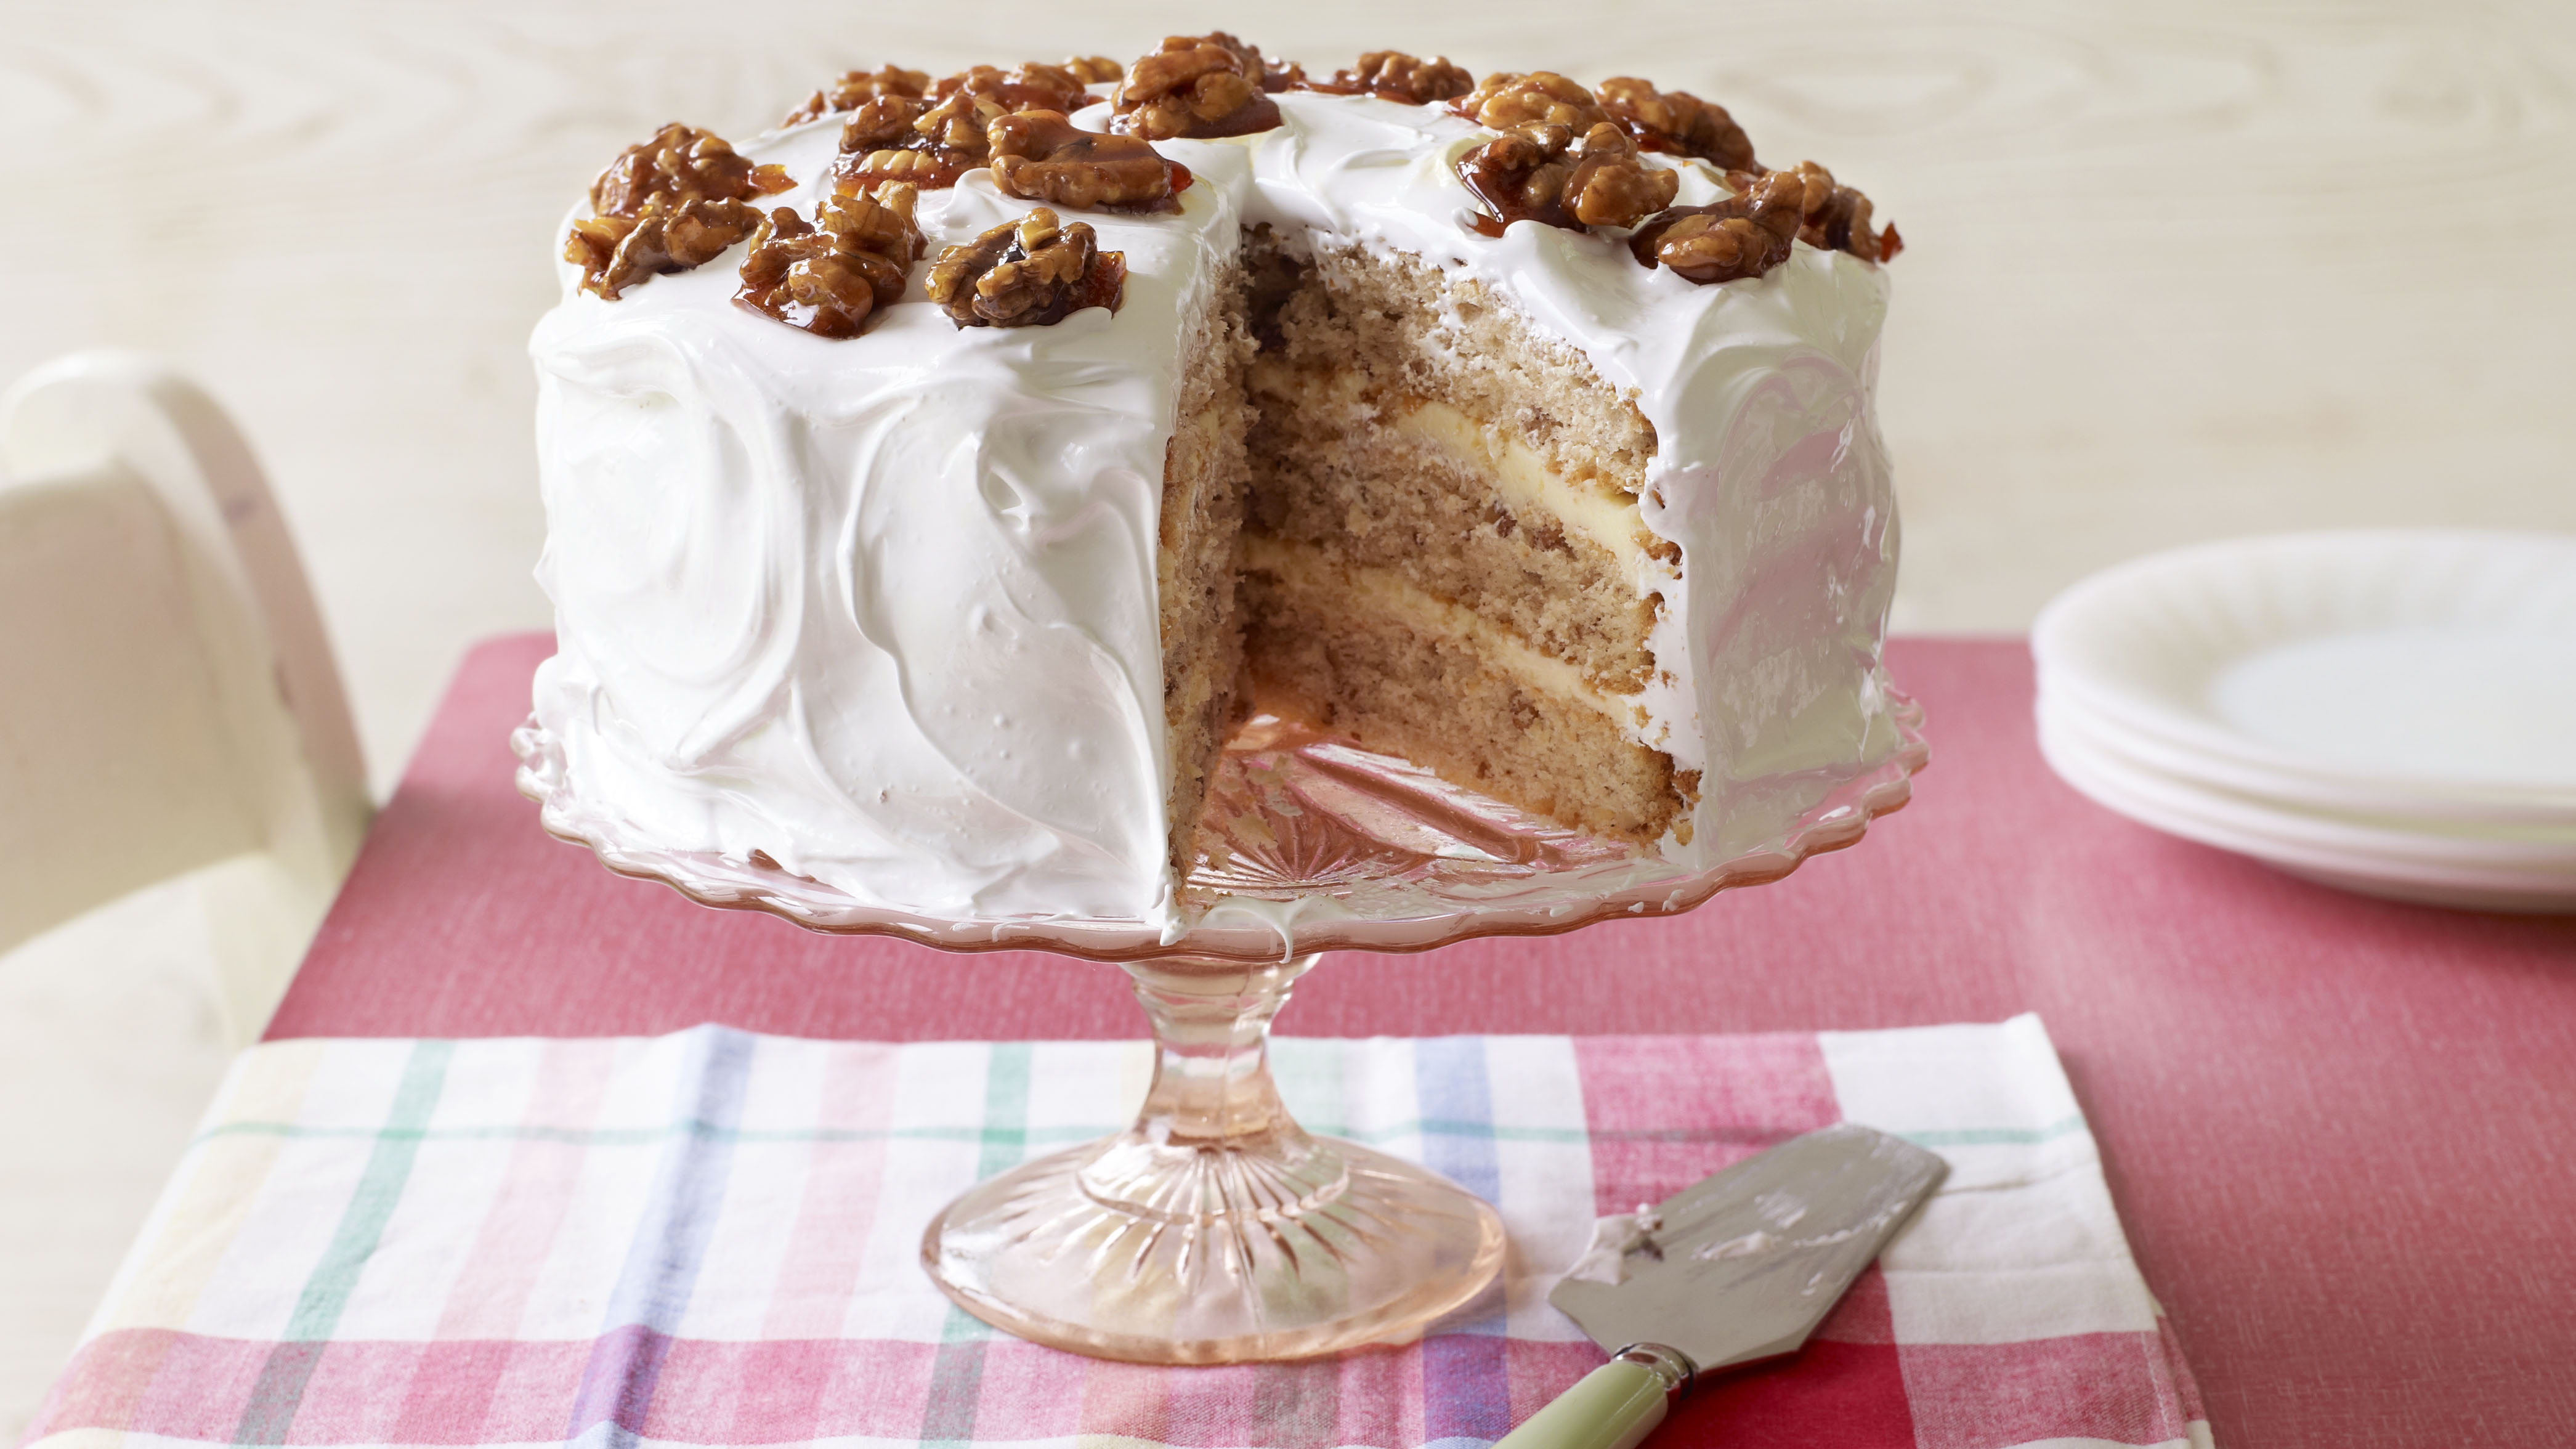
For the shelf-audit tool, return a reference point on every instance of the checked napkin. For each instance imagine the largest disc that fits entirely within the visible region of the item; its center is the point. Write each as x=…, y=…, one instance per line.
x=710, y=1239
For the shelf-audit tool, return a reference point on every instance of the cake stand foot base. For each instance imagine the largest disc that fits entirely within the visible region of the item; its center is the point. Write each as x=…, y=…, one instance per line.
x=1156, y=1253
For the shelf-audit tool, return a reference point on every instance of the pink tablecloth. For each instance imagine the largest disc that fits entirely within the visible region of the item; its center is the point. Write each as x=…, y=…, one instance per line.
x=2339, y=1131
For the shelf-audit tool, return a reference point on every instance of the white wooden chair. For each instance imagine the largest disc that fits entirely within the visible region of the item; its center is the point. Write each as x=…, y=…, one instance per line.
x=167, y=698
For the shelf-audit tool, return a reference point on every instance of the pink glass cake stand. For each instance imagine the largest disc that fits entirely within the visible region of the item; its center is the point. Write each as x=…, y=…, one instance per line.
x=1216, y=1230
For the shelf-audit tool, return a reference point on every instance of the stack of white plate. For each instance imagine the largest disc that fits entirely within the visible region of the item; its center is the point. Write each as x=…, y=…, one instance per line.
x=2391, y=712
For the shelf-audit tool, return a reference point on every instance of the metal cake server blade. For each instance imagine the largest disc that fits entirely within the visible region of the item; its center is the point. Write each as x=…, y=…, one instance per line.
x=1739, y=1266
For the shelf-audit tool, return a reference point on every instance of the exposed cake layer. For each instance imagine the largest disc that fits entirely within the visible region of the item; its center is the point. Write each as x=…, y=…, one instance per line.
x=1485, y=475
x=1766, y=473
x=1446, y=557
x=1205, y=475
x=1366, y=653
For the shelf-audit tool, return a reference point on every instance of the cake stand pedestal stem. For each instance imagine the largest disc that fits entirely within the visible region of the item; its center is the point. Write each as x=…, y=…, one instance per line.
x=1215, y=1229
x=1212, y=1086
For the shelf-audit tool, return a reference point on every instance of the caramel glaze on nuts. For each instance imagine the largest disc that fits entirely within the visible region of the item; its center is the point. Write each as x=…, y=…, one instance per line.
x=830, y=275
x=1195, y=86
x=932, y=140
x=1565, y=155
x=856, y=88
x=1510, y=100
x=672, y=203
x=1540, y=172
x=1676, y=122
x=1389, y=75
x=1040, y=156
x=1027, y=273
x=1560, y=159
x=1749, y=233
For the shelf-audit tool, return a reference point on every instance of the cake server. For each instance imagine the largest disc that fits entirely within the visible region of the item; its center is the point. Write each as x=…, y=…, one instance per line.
x=1739, y=1266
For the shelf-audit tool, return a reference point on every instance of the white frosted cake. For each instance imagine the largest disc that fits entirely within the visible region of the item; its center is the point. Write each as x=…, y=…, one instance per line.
x=932, y=484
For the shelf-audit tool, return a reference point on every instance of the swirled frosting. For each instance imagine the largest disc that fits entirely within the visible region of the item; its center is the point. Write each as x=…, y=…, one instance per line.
x=884, y=608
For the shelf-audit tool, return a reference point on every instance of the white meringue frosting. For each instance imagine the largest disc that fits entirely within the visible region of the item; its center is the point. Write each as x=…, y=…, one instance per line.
x=884, y=608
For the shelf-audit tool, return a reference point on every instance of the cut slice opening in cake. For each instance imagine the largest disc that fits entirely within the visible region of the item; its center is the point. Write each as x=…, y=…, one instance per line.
x=1205, y=473
x=1442, y=556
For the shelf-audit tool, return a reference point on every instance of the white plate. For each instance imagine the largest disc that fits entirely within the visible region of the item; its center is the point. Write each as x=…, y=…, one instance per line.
x=2521, y=850
x=2366, y=802
x=2437, y=869
x=2428, y=673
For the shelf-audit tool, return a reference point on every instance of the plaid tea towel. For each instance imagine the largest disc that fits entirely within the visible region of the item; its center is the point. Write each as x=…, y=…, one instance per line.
x=710, y=1239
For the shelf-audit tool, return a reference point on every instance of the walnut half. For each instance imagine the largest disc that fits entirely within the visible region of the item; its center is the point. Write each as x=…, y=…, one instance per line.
x=858, y=87
x=1677, y=121
x=666, y=205
x=1041, y=156
x=933, y=140
x=830, y=275
x=1831, y=216
x=1195, y=86
x=1391, y=75
x=1745, y=235
x=1028, y=273
x=1537, y=171
x=1751, y=232
x=1512, y=101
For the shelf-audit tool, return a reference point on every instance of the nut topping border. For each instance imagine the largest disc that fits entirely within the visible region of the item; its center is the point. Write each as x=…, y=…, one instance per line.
x=1563, y=155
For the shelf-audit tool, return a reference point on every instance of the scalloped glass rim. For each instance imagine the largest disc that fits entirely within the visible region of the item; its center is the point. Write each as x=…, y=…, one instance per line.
x=1512, y=874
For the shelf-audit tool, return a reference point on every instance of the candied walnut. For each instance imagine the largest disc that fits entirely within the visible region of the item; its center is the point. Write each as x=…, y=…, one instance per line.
x=1040, y=156
x=1093, y=70
x=883, y=122
x=828, y=276
x=1196, y=86
x=1751, y=232
x=1027, y=273
x=1833, y=216
x=858, y=87
x=1391, y=75
x=881, y=223
x=1034, y=86
x=1538, y=172
x=957, y=122
x=1677, y=122
x=949, y=126
x=1531, y=104
x=922, y=169
x=1744, y=235
x=669, y=204
x=616, y=252
x=682, y=163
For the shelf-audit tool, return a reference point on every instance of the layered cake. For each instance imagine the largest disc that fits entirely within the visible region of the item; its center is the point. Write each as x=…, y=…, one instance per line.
x=933, y=480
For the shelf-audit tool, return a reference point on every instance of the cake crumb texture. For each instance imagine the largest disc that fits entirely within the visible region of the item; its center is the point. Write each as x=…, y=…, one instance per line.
x=1445, y=557
x=1206, y=471
x=1440, y=701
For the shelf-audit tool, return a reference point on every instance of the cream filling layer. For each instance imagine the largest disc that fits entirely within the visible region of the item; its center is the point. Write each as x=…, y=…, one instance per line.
x=1388, y=594
x=1528, y=481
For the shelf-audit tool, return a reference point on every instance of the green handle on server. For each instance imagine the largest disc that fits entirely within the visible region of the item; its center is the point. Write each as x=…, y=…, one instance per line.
x=1614, y=1407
